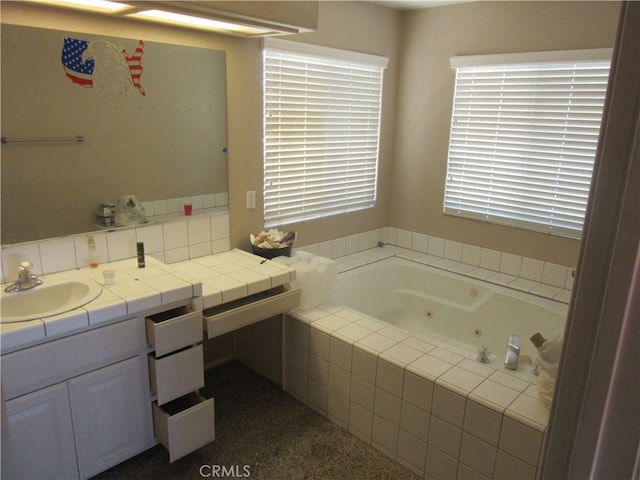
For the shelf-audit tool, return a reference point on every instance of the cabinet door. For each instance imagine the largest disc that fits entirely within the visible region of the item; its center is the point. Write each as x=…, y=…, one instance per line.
x=41, y=435
x=108, y=415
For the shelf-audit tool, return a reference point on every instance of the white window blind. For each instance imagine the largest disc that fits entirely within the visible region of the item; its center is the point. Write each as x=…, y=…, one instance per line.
x=524, y=133
x=321, y=131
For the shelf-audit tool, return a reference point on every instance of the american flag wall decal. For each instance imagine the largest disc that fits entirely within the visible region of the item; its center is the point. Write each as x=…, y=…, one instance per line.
x=135, y=65
x=75, y=67
x=101, y=65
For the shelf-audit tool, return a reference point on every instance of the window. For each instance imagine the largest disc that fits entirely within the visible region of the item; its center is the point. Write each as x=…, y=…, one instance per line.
x=321, y=131
x=524, y=133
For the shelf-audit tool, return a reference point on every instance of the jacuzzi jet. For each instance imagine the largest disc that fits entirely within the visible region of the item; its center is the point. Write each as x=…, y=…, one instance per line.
x=429, y=314
x=483, y=354
x=477, y=332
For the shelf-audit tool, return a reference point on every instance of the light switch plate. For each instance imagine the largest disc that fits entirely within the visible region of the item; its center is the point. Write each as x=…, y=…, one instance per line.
x=251, y=199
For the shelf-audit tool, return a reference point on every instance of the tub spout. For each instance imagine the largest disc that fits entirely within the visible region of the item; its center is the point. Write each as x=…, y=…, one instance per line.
x=513, y=353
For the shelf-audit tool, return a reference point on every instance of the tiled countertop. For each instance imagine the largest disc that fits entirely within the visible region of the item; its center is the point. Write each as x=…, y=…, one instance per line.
x=209, y=281
x=231, y=275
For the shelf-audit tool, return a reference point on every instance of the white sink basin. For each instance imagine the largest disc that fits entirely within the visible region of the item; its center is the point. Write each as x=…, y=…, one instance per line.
x=51, y=298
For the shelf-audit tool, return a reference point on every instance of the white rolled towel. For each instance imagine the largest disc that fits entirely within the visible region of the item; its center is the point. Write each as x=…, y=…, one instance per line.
x=549, y=358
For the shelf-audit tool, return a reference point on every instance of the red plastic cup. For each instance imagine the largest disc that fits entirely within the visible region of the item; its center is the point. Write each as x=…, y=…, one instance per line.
x=188, y=209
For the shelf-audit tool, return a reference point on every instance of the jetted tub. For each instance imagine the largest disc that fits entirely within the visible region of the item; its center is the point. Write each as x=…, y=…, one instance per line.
x=447, y=309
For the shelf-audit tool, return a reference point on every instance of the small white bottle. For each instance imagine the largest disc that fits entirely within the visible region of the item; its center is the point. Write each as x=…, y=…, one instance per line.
x=91, y=245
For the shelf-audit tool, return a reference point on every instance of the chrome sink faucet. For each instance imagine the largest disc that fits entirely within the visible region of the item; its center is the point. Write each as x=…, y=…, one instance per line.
x=26, y=280
x=512, y=357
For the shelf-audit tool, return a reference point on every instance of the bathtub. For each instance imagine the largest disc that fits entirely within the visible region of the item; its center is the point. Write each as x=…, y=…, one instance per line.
x=392, y=358
x=449, y=310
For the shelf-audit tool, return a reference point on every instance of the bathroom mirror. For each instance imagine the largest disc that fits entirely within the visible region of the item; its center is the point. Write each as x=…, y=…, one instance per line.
x=88, y=118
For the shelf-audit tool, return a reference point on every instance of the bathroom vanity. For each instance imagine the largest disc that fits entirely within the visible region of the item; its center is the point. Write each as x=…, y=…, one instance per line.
x=87, y=389
x=77, y=405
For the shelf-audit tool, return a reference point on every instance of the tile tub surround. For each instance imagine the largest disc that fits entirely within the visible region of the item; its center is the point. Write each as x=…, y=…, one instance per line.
x=208, y=281
x=177, y=239
x=530, y=275
x=436, y=412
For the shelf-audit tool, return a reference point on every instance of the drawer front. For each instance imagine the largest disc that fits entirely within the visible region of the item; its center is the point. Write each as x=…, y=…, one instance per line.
x=173, y=331
x=53, y=362
x=185, y=425
x=176, y=375
x=248, y=313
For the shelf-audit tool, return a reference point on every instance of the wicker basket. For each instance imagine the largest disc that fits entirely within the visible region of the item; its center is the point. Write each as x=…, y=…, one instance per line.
x=272, y=252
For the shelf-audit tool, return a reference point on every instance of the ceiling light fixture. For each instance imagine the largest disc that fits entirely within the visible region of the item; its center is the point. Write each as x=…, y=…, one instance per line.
x=101, y=6
x=206, y=18
x=199, y=22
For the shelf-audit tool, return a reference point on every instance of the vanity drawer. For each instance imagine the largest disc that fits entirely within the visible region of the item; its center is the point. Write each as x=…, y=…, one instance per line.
x=175, y=329
x=175, y=375
x=184, y=425
x=37, y=367
x=245, y=311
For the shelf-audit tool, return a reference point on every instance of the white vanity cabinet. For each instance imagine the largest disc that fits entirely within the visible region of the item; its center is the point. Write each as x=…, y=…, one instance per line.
x=183, y=421
x=42, y=444
x=108, y=415
x=78, y=405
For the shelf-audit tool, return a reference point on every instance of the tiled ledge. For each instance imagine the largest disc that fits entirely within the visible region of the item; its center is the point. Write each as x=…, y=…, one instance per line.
x=366, y=257
x=176, y=205
x=181, y=238
x=529, y=275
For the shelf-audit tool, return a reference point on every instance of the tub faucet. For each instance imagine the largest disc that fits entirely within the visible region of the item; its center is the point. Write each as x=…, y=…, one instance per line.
x=513, y=353
x=26, y=280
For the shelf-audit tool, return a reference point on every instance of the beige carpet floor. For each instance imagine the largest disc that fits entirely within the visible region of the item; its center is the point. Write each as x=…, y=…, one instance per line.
x=263, y=432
